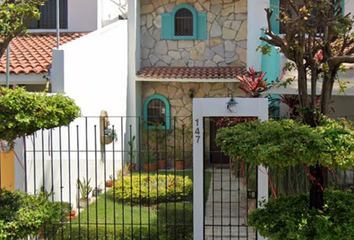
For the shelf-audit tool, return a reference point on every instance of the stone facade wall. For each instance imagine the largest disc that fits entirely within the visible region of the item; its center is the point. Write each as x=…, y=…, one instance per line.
x=181, y=103
x=226, y=43
x=178, y=94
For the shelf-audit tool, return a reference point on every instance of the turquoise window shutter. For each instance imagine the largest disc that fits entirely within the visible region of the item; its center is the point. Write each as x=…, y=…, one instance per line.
x=166, y=26
x=274, y=5
x=202, y=26
x=343, y=6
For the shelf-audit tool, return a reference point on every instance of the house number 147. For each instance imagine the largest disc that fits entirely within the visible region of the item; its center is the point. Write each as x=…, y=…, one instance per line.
x=197, y=130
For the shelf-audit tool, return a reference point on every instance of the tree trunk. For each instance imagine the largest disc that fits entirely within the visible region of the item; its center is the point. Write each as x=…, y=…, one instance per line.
x=316, y=190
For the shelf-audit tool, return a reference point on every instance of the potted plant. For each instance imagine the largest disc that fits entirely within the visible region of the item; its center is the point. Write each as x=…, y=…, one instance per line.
x=109, y=182
x=149, y=160
x=97, y=191
x=109, y=135
x=179, y=162
x=85, y=190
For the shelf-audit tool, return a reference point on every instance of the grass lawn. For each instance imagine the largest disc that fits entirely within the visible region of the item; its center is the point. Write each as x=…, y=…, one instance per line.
x=107, y=211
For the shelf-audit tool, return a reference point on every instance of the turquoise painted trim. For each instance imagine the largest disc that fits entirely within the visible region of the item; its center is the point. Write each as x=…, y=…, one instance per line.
x=202, y=26
x=270, y=65
x=343, y=7
x=166, y=30
x=168, y=111
x=274, y=5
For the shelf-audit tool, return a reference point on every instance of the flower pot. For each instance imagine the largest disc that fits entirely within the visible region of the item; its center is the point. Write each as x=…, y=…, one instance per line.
x=161, y=164
x=83, y=202
x=96, y=192
x=150, y=167
x=109, y=183
x=107, y=139
x=179, y=164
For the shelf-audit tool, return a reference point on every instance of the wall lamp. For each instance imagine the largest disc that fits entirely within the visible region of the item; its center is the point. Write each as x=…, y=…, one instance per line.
x=231, y=104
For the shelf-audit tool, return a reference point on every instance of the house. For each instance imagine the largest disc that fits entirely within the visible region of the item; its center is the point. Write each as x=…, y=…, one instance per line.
x=89, y=65
x=194, y=48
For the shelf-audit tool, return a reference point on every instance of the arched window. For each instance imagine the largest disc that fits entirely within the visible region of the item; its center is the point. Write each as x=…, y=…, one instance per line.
x=184, y=23
x=157, y=112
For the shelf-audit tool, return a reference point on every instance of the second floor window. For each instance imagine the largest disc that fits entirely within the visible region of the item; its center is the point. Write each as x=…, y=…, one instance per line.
x=48, y=16
x=183, y=23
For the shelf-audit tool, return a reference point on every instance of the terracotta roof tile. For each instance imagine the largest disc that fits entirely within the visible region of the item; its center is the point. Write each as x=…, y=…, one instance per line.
x=191, y=72
x=33, y=53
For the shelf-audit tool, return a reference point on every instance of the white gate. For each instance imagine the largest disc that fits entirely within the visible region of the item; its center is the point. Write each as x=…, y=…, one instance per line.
x=217, y=107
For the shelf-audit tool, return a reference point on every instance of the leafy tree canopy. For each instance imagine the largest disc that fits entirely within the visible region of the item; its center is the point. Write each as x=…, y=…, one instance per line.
x=289, y=143
x=23, y=113
x=318, y=39
x=14, y=17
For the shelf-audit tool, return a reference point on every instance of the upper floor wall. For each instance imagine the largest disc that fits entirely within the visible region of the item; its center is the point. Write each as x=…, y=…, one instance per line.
x=79, y=15
x=224, y=44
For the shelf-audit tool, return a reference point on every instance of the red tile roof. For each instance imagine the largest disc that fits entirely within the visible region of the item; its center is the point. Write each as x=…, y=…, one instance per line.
x=33, y=53
x=191, y=72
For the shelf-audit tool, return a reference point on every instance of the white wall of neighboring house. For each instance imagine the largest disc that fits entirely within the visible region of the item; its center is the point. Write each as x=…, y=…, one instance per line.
x=93, y=71
x=256, y=21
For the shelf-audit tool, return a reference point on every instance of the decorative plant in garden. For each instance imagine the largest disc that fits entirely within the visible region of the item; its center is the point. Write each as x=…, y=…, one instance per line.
x=23, y=113
x=289, y=143
x=23, y=215
x=152, y=189
x=253, y=83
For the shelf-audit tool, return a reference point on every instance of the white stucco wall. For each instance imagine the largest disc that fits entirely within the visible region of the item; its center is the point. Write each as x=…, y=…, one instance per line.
x=256, y=21
x=93, y=71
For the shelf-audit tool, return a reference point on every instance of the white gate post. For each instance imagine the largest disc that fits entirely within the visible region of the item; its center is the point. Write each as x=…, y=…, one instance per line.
x=216, y=107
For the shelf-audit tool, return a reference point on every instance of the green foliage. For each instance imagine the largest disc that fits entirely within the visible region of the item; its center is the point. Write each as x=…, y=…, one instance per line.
x=23, y=113
x=288, y=143
x=85, y=188
x=22, y=214
x=152, y=189
x=14, y=17
x=109, y=232
x=148, y=157
x=289, y=217
x=176, y=220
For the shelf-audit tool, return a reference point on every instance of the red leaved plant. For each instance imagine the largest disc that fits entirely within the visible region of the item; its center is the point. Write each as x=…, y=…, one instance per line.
x=253, y=83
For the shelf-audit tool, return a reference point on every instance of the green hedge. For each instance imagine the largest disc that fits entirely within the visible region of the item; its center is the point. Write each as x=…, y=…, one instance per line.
x=152, y=189
x=22, y=214
x=176, y=221
x=289, y=217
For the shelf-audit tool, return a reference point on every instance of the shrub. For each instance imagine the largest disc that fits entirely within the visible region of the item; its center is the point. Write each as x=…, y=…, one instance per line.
x=23, y=113
x=93, y=232
x=175, y=220
x=290, y=217
x=152, y=189
x=22, y=214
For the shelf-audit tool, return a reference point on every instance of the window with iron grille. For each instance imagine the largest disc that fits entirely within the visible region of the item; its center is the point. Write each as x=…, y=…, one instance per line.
x=48, y=16
x=184, y=23
x=157, y=112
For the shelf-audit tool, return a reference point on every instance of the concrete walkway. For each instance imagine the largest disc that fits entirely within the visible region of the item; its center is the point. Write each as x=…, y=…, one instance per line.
x=226, y=208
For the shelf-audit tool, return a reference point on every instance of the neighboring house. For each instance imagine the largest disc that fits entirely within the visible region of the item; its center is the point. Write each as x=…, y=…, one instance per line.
x=90, y=65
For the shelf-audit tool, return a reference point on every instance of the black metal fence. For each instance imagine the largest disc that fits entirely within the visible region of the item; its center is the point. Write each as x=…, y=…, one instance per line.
x=120, y=178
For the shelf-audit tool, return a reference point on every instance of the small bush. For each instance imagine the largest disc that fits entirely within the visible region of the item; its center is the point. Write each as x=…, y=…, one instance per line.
x=93, y=232
x=175, y=221
x=152, y=189
x=22, y=214
x=290, y=217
